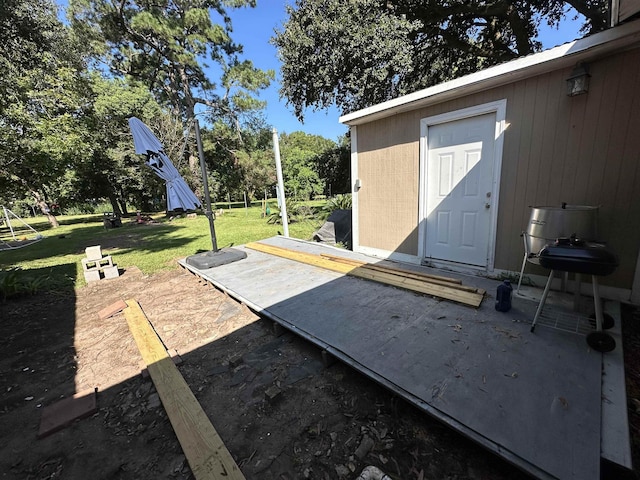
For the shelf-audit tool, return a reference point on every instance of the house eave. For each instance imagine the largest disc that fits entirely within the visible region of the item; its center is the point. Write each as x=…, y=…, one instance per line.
x=563, y=56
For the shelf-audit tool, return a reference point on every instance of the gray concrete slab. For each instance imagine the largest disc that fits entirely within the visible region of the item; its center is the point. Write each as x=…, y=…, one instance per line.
x=534, y=399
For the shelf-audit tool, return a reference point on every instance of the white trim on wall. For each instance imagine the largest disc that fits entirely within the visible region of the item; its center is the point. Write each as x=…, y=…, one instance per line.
x=355, y=206
x=498, y=107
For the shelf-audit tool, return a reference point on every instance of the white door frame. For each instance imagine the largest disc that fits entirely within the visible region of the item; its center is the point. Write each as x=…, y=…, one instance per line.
x=498, y=107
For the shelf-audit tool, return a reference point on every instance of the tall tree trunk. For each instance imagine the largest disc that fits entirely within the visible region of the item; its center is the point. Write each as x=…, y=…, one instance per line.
x=122, y=199
x=123, y=206
x=44, y=208
x=114, y=204
x=42, y=204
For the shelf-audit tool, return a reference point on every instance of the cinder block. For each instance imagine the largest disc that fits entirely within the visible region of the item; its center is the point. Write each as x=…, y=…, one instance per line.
x=105, y=261
x=88, y=265
x=92, y=275
x=111, y=272
x=93, y=253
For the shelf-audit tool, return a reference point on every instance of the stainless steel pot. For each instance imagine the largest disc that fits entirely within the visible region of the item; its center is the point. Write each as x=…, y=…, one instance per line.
x=548, y=223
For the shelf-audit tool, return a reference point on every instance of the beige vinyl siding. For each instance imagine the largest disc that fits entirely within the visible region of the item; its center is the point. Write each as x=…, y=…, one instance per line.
x=389, y=175
x=581, y=150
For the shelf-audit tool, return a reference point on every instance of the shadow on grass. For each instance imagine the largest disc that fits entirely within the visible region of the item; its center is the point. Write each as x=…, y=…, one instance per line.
x=129, y=237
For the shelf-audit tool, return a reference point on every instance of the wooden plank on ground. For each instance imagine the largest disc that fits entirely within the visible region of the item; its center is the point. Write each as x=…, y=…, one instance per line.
x=431, y=279
x=473, y=299
x=64, y=412
x=206, y=453
x=302, y=257
x=394, y=270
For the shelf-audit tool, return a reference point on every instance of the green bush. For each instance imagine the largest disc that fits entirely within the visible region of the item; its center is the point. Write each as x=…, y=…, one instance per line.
x=80, y=209
x=22, y=208
x=88, y=208
x=339, y=202
x=296, y=212
x=14, y=282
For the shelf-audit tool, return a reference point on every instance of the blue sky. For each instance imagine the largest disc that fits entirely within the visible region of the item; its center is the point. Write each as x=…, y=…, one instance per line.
x=253, y=27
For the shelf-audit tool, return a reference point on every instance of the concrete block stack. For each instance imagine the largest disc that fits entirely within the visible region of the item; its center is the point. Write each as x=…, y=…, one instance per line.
x=96, y=266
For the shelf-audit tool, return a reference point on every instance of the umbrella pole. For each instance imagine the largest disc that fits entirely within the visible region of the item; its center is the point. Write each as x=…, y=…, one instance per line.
x=216, y=257
x=205, y=185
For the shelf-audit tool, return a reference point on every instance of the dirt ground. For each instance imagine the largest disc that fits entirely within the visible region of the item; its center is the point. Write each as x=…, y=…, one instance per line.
x=282, y=413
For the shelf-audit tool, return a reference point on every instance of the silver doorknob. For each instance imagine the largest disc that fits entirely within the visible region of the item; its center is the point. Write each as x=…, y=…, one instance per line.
x=487, y=205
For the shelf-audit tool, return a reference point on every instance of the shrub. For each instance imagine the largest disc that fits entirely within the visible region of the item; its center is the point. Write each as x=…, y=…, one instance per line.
x=80, y=209
x=296, y=212
x=339, y=202
x=14, y=282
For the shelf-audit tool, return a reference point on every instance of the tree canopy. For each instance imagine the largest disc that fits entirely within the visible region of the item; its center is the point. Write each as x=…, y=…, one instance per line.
x=67, y=91
x=167, y=46
x=43, y=97
x=362, y=52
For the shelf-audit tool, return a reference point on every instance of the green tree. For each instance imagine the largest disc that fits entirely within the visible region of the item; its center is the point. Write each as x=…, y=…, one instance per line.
x=334, y=167
x=240, y=162
x=110, y=168
x=300, y=152
x=361, y=52
x=43, y=97
x=166, y=46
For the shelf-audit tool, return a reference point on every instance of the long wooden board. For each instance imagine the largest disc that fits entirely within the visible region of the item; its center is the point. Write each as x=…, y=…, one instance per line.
x=424, y=277
x=408, y=274
x=473, y=299
x=394, y=270
x=207, y=455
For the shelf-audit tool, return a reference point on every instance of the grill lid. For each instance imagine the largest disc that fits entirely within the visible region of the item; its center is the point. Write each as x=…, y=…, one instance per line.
x=578, y=256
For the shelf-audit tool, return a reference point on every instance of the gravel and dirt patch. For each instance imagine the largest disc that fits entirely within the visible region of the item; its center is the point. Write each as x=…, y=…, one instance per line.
x=282, y=413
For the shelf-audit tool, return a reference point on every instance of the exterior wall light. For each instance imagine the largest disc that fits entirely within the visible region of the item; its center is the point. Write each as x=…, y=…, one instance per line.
x=578, y=81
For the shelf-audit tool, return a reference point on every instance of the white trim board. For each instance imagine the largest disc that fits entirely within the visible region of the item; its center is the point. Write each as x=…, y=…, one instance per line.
x=498, y=107
x=355, y=204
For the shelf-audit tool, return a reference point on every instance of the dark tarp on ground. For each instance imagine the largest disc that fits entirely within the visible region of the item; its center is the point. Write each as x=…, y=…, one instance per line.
x=337, y=229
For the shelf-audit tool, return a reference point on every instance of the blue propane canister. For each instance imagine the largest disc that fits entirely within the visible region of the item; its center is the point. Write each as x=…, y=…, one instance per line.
x=503, y=296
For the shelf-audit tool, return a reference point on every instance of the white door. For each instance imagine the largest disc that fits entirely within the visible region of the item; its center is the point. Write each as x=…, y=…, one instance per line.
x=459, y=177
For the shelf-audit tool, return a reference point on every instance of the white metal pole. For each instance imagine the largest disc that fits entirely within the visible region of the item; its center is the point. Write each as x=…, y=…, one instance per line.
x=283, y=206
x=6, y=216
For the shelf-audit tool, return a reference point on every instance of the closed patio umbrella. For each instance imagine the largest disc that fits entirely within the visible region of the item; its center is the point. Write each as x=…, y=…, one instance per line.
x=179, y=195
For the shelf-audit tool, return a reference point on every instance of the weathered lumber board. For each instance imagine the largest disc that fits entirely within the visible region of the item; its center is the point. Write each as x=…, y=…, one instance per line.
x=394, y=270
x=206, y=453
x=473, y=299
x=432, y=279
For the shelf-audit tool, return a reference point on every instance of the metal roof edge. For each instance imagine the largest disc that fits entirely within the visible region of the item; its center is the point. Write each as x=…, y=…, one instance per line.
x=535, y=64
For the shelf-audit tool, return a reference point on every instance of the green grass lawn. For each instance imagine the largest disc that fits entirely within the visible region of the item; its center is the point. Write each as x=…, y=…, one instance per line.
x=150, y=247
